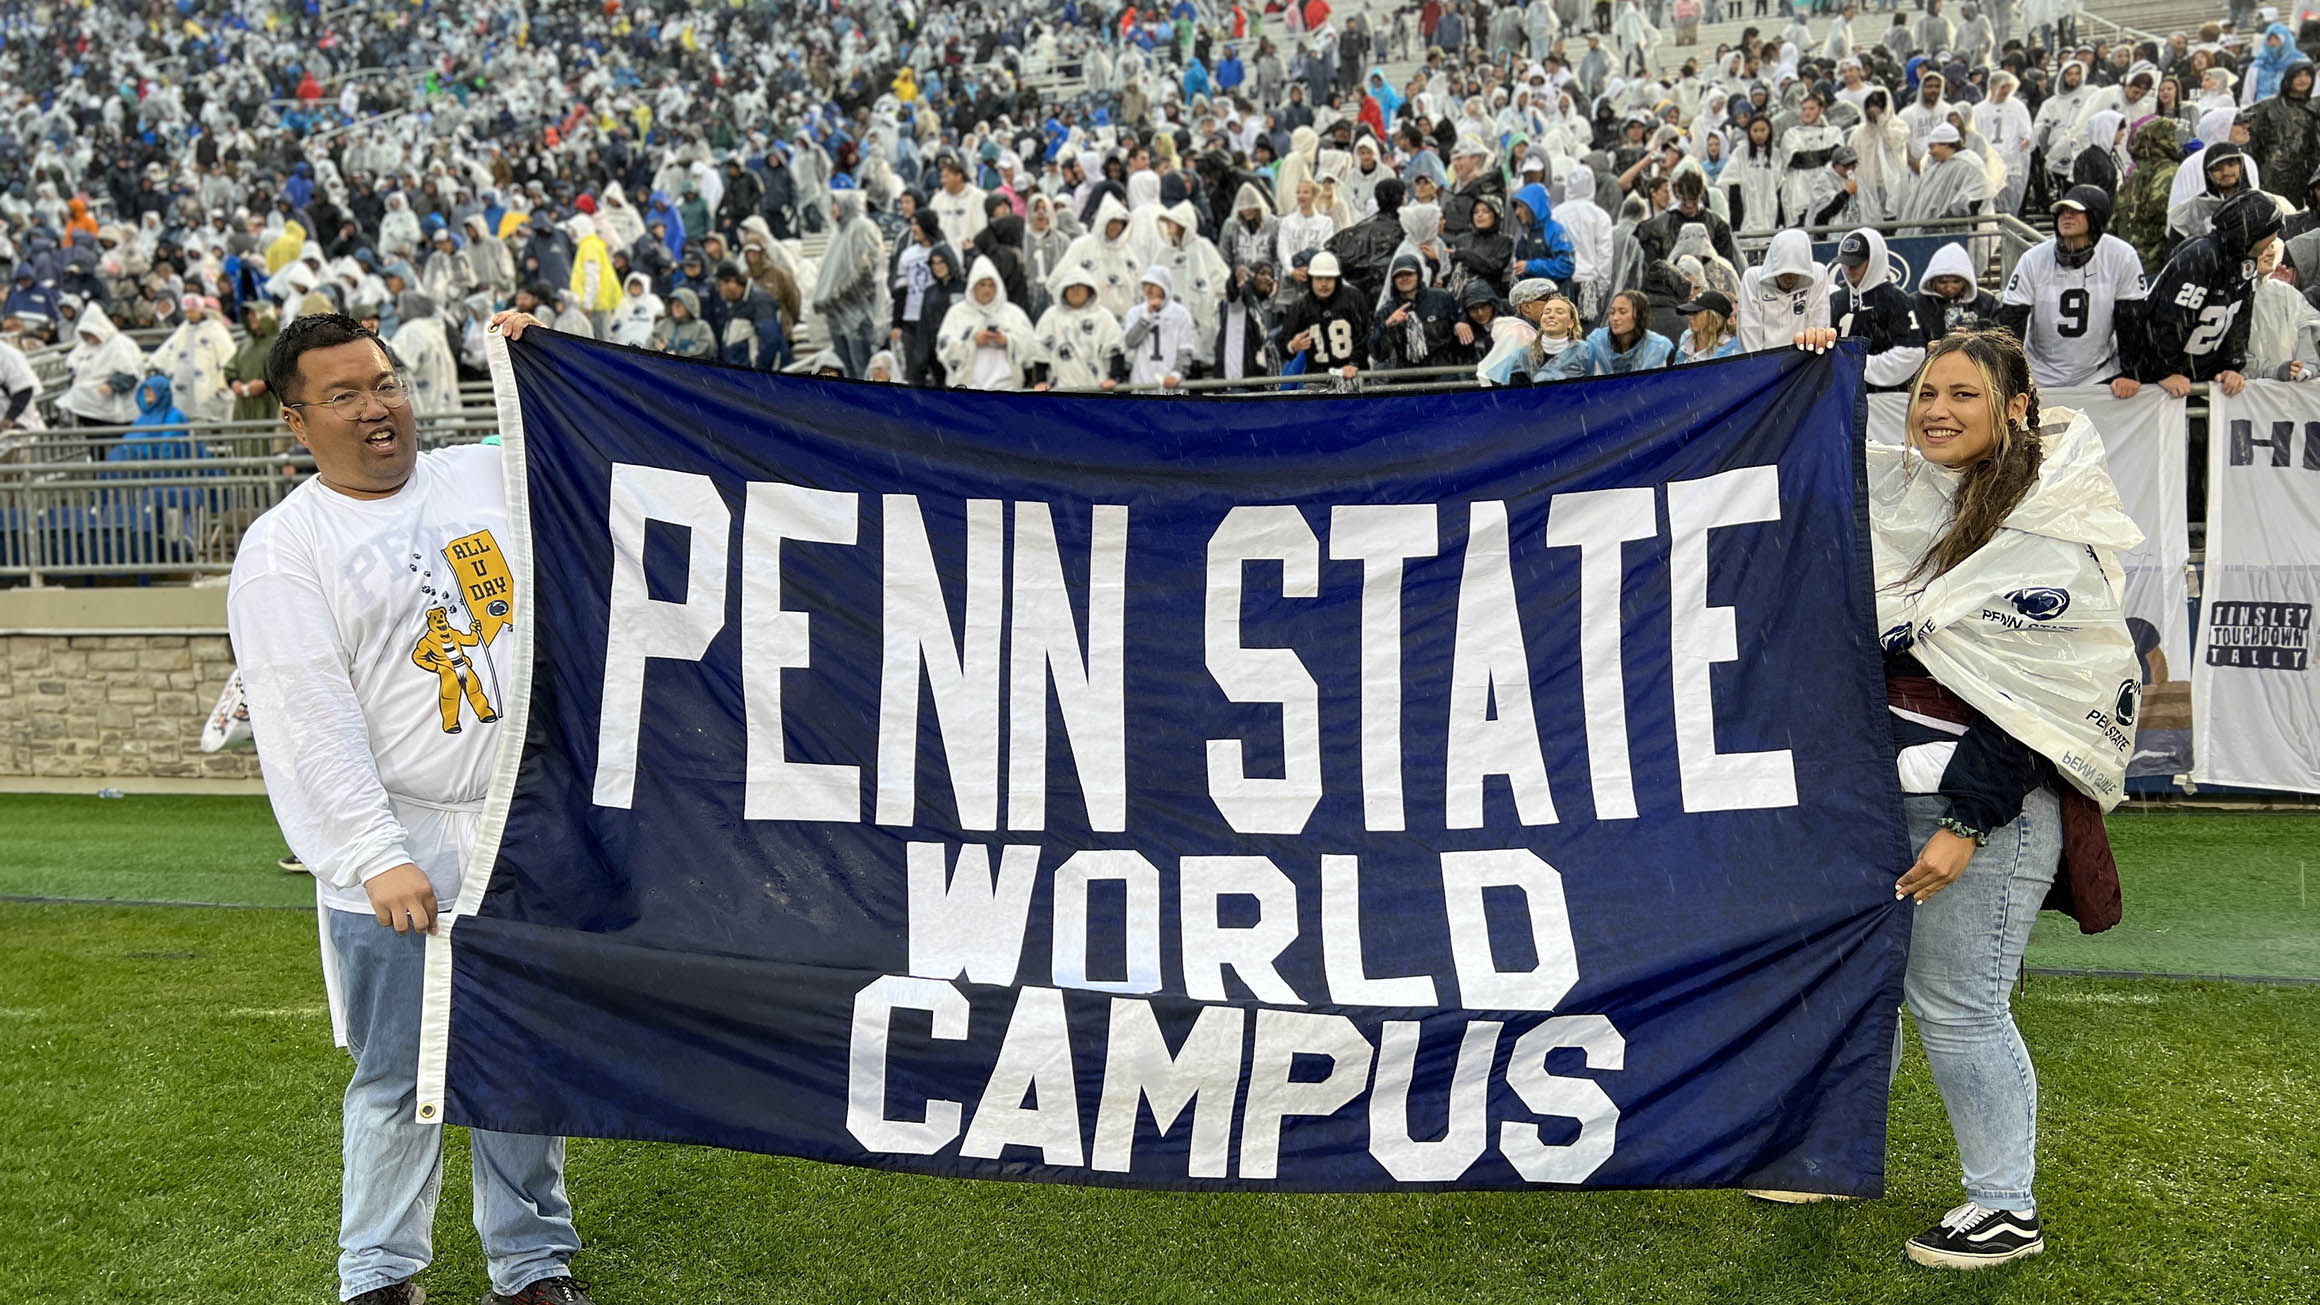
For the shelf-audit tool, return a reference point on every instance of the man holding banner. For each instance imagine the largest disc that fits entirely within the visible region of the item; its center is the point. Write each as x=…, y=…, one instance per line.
x=369, y=612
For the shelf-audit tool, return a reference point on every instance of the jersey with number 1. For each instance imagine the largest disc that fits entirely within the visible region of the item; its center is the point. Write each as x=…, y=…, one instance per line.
x=2071, y=340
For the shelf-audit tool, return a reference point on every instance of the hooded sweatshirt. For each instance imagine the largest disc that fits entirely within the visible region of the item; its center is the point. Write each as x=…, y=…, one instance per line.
x=2284, y=130
x=1424, y=335
x=972, y=364
x=594, y=281
x=2198, y=316
x=1197, y=275
x=1589, y=229
x=113, y=362
x=1078, y=347
x=1159, y=344
x=1110, y=261
x=1540, y=245
x=1242, y=245
x=425, y=349
x=2143, y=200
x=1881, y=313
x=1770, y=317
x=633, y=322
x=846, y=286
x=617, y=219
x=1940, y=316
x=2284, y=335
x=689, y=337
x=194, y=358
x=158, y=433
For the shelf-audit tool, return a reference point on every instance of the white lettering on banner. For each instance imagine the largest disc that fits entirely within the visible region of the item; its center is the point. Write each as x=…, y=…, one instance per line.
x=971, y=925
x=1025, y=631
x=1599, y=523
x=1068, y=963
x=1570, y=1098
x=1210, y=948
x=1382, y=537
x=874, y=1009
x=963, y=674
x=1035, y=1064
x=1250, y=804
x=1043, y=643
x=1275, y=1094
x=1704, y=636
x=1493, y=730
x=1482, y=985
x=1023, y=636
x=1341, y=962
x=1205, y=1073
x=2255, y=681
x=640, y=627
x=1468, y=1132
x=775, y=639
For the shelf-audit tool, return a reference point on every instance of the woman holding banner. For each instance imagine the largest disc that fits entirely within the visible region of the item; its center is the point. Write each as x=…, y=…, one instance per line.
x=2013, y=685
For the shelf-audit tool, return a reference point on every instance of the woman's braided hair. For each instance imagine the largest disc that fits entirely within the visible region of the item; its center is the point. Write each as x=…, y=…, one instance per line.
x=1991, y=488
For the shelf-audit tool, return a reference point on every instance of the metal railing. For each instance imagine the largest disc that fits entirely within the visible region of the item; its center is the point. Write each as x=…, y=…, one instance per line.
x=67, y=512
x=167, y=517
x=2118, y=31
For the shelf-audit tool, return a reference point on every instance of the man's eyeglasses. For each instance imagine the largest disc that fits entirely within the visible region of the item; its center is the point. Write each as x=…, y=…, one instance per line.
x=392, y=394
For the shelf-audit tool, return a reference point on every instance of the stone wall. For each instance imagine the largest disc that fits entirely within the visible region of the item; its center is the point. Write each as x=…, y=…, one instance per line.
x=113, y=706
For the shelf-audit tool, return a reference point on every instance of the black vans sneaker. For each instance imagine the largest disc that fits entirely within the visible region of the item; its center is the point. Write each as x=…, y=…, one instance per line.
x=1971, y=1237
x=398, y=1293
x=547, y=1291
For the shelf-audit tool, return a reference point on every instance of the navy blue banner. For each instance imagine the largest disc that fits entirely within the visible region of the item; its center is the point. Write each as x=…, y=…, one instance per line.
x=1487, y=789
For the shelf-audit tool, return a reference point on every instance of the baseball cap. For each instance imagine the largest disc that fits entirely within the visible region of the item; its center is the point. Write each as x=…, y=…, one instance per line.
x=2085, y=199
x=1706, y=301
x=1530, y=288
x=1854, y=251
x=1943, y=135
x=1323, y=264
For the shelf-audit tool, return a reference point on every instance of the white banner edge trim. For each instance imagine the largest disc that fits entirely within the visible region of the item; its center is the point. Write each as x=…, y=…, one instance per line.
x=475, y=874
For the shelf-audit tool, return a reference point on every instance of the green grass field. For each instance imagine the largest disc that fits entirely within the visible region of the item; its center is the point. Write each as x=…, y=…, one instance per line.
x=171, y=1132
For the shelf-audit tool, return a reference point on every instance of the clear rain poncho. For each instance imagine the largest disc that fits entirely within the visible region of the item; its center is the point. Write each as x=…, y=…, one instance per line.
x=1109, y=260
x=2031, y=629
x=848, y=284
x=1078, y=344
x=971, y=364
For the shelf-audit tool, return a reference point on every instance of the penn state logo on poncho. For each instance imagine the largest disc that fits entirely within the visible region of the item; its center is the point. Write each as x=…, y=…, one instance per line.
x=2128, y=705
x=1896, y=640
x=2040, y=604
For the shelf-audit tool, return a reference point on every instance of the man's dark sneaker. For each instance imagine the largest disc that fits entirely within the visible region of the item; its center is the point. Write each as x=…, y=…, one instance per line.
x=547, y=1291
x=291, y=865
x=401, y=1293
x=1971, y=1237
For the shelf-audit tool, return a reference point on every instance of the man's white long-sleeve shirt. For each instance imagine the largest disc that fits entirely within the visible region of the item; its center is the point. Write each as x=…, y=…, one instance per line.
x=372, y=636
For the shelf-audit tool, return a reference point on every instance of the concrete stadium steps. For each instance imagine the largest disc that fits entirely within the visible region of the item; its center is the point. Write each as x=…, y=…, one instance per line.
x=2159, y=17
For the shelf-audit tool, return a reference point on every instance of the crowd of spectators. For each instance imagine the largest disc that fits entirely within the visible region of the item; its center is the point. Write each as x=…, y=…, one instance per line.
x=1227, y=190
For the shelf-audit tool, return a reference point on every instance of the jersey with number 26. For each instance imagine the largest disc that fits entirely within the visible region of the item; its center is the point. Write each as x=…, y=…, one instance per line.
x=2071, y=340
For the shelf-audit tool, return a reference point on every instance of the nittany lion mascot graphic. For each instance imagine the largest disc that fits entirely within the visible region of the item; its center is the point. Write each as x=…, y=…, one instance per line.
x=442, y=650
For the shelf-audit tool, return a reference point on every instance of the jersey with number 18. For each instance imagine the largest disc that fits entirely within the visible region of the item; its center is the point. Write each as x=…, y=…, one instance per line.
x=2072, y=340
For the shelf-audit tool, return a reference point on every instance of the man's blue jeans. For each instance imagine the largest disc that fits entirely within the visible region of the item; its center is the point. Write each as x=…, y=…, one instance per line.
x=394, y=1164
